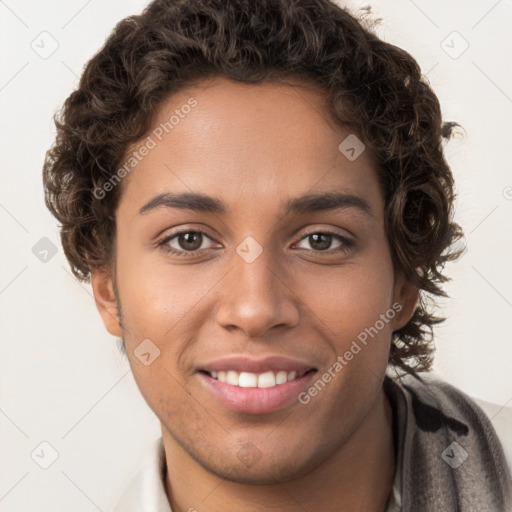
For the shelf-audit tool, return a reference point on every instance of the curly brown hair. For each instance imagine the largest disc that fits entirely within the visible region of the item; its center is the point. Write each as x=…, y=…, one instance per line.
x=373, y=87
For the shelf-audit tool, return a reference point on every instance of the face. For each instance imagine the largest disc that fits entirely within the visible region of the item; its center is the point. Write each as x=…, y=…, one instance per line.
x=257, y=280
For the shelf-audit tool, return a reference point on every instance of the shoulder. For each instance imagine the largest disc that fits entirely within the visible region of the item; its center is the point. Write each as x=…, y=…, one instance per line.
x=501, y=419
x=429, y=391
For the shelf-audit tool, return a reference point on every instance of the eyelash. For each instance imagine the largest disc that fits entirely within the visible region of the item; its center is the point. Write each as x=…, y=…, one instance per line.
x=347, y=243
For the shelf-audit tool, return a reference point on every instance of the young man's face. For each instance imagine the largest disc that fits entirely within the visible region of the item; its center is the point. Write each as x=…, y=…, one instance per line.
x=261, y=284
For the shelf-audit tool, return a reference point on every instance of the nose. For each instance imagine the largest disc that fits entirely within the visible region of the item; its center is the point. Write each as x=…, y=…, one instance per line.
x=257, y=297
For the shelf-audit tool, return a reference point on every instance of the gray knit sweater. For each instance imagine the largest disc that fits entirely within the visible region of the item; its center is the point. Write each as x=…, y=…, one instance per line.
x=449, y=457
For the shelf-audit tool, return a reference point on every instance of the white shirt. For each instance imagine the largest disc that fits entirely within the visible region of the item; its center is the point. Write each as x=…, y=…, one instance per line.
x=146, y=490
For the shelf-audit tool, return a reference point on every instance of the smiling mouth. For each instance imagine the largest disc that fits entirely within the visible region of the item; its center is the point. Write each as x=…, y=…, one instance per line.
x=267, y=379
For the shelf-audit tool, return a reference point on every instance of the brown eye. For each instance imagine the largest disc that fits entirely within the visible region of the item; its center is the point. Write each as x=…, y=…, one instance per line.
x=322, y=241
x=186, y=243
x=190, y=241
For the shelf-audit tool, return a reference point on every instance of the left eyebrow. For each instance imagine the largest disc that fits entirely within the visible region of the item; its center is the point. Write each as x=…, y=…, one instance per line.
x=327, y=201
x=294, y=206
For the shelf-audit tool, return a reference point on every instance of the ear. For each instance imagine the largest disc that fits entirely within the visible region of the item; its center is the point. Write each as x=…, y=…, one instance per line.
x=106, y=302
x=407, y=296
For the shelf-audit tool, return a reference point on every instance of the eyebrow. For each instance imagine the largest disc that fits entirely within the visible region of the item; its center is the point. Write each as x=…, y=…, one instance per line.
x=297, y=205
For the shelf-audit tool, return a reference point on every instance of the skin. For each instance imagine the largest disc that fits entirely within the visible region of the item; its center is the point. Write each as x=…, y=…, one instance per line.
x=254, y=147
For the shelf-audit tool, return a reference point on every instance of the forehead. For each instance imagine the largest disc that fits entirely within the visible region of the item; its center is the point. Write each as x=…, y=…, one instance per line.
x=247, y=141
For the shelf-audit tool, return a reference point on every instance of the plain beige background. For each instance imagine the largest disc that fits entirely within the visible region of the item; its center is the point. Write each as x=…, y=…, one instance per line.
x=62, y=379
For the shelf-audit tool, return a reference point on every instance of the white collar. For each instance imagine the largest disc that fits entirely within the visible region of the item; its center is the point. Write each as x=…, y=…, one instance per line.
x=146, y=490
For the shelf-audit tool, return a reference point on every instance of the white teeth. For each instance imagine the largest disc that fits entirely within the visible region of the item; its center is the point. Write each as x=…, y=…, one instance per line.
x=281, y=377
x=247, y=380
x=232, y=378
x=266, y=380
x=253, y=380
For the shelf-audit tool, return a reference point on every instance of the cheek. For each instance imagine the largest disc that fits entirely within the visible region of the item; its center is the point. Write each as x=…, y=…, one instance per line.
x=351, y=299
x=355, y=312
x=156, y=296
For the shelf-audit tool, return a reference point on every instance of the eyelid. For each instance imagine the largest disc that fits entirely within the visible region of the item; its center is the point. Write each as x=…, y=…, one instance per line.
x=344, y=233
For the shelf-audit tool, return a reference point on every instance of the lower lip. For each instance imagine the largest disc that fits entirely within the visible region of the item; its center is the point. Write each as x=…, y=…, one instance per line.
x=256, y=400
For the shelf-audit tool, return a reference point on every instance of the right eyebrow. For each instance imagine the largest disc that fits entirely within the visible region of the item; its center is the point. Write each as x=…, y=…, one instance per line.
x=188, y=201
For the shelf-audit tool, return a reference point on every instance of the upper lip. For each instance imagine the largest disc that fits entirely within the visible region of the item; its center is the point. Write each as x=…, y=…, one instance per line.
x=257, y=365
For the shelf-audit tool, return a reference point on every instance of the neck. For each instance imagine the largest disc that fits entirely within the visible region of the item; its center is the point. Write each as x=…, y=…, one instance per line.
x=358, y=476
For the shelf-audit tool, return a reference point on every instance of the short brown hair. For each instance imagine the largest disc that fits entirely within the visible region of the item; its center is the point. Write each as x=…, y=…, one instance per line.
x=373, y=87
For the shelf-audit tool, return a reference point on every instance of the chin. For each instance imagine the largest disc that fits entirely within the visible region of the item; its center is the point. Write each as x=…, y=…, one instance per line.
x=261, y=469
x=264, y=474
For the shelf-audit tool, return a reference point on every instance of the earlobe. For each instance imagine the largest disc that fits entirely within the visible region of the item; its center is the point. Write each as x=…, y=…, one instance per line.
x=407, y=295
x=106, y=300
